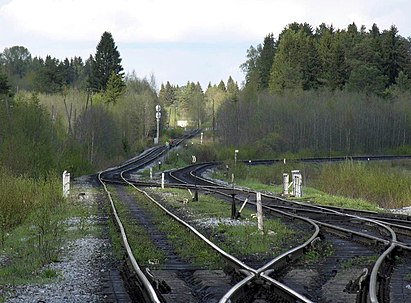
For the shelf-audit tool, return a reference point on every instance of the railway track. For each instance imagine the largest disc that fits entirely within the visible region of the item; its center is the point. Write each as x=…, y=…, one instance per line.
x=159, y=285
x=368, y=261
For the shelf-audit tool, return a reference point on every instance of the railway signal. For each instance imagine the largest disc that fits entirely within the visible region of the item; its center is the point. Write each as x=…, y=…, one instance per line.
x=158, y=116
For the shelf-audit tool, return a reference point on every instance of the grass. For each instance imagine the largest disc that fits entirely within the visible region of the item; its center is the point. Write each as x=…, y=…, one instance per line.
x=367, y=186
x=240, y=239
x=324, y=250
x=186, y=245
x=43, y=229
x=143, y=248
x=359, y=261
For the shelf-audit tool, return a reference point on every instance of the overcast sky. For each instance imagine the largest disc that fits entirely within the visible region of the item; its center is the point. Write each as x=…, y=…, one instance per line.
x=179, y=40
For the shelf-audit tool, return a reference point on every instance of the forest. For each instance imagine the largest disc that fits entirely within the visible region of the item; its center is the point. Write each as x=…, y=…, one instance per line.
x=308, y=92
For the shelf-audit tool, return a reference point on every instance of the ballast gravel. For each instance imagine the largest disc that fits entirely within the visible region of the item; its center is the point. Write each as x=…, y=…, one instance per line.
x=83, y=263
x=78, y=281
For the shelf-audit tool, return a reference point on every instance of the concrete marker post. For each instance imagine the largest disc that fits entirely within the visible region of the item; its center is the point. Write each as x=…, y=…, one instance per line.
x=286, y=180
x=162, y=180
x=66, y=184
x=298, y=185
x=151, y=173
x=293, y=179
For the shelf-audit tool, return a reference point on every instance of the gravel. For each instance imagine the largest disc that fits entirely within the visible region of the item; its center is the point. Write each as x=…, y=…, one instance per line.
x=82, y=264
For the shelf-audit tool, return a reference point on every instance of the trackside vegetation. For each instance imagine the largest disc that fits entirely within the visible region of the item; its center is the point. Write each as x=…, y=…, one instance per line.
x=240, y=238
x=34, y=227
x=347, y=184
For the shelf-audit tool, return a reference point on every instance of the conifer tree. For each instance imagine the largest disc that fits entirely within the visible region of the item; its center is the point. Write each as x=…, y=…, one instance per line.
x=106, y=61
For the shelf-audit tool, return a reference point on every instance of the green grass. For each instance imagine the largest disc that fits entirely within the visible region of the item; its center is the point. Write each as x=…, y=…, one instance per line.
x=186, y=245
x=241, y=239
x=325, y=249
x=36, y=241
x=359, y=261
x=366, y=186
x=143, y=248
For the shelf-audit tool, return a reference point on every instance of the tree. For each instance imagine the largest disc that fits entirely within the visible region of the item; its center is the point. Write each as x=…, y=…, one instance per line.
x=106, y=61
x=265, y=61
x=114, y=89
x=16, y=60
x=4, y=85
x=368, y=79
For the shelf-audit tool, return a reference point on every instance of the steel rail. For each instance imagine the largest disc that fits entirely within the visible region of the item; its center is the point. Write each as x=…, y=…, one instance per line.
x=148, y=290
x=231, y=259
x=373, y=284
x=278, y=261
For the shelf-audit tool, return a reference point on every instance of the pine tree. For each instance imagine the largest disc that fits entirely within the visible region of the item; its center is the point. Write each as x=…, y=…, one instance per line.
x=106, y=61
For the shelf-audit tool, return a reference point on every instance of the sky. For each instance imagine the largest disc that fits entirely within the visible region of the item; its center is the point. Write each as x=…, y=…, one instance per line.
x=179, y=40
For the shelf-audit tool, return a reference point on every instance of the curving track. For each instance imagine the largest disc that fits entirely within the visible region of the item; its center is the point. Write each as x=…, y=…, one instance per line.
x=366, y=239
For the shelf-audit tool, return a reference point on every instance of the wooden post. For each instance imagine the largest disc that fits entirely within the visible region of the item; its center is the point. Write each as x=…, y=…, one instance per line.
x=259, y=213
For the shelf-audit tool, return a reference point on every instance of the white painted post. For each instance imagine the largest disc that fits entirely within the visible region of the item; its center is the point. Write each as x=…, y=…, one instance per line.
x=66, y=184
x=259, y=213
x=293, y=174
x=162, y=180
x=201, y=138
x=298, y=185
x=286, y=180
x=151, y=173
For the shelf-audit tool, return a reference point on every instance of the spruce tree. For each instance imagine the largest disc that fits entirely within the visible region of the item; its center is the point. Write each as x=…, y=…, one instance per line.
x=106, y=61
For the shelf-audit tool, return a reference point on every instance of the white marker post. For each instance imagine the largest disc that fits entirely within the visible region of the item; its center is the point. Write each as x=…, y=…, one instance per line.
x=201, y=138
x=293, y=177
x=162, y=180
x=66, y=184
x=151, y=173
x=286, y=180
x=259, y=213
x=298, y=183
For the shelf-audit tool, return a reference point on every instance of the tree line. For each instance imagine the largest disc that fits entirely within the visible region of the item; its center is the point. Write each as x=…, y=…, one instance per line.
x=50, y=75
x=58, y=115
x=353, y=59
x=323, y=92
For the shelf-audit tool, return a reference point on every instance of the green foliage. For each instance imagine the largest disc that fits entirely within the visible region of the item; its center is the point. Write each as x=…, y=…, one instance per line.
x=321, y=122
x=313, y=256
x=362, y=261
x=107, y=61
x=387, y=188
x=240, y=239
x=32, y=226
x=350, y=58
x=114, y=88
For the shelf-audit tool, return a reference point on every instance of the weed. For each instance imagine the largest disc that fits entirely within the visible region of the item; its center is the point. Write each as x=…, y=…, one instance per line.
x=359, y=261
x=323, y=250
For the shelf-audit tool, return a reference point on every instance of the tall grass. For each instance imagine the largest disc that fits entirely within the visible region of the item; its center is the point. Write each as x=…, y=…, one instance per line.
x=384, y=186
x=31, y=224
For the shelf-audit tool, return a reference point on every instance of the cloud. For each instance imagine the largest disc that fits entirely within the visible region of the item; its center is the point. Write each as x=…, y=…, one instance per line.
x=148, y=20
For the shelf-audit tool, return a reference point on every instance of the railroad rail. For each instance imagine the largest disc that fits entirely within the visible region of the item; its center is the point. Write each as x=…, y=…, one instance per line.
x=379, y=229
